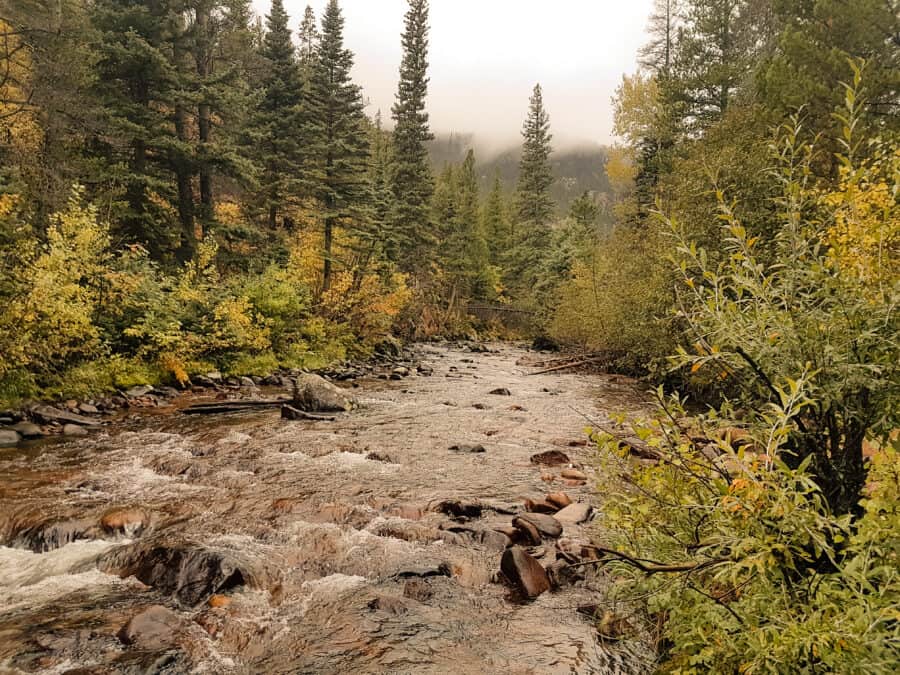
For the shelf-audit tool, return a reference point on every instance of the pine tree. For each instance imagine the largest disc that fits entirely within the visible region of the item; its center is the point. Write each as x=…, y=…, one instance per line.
x=137, y=86
x=343, y=181
x=309, y=38
x=534, y=206
x=279, y=124
x=381, y=156
x=411, y=181
x=476, y=255
x=495, y=220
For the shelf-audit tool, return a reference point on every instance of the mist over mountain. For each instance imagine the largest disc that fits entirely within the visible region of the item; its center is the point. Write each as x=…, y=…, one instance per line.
x=577, y=166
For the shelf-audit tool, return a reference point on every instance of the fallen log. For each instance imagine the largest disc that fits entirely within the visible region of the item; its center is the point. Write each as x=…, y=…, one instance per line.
x=232, y=406
x=571, y=364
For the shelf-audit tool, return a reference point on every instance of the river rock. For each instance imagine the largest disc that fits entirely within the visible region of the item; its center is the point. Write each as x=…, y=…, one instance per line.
x=189, y=572
x=74, y=430
x=527, y=532
x=401, y=371
x=458, y=508
x=88, y=409
x=247, y=382
x=524, y=571
x=48, y=414
x=573, y=474
x=546, y=525
x=574, y=513
x=138, y=391
x=8, y=437
x=550, y=458
x=559, y=499
x=467, y=448
x=28, y=429
x=502, y=391
x=155, y=628
x=125, y=521
x=542, y=506
x=315, y=394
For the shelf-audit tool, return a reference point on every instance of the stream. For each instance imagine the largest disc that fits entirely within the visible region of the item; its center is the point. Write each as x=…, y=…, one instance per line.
x=244, y=543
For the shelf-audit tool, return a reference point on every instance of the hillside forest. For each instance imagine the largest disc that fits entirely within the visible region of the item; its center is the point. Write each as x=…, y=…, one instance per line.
x=187, y=187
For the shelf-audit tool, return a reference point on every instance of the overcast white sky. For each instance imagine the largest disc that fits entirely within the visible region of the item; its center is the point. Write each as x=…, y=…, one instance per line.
x=486, y=56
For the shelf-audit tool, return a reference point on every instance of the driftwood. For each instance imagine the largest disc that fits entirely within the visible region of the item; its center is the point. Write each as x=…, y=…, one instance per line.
x=289, y=412
x=232, y=406
x=570, y=364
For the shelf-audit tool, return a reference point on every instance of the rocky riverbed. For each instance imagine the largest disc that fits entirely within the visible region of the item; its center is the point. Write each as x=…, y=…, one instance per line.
x=434, y=528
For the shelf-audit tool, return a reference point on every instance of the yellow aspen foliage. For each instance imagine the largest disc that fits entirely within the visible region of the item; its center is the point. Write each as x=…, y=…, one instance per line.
x=864, y=234
x=19, y=126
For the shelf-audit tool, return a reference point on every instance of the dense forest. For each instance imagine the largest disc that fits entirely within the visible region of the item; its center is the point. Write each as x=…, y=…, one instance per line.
x=186, y=187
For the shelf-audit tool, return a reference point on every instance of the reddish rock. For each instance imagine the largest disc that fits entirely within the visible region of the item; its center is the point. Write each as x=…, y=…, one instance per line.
x=528, y=532
x=216, y=601
x=125, y=521
x=559, y=499
x=524, y=571
x=540, y=507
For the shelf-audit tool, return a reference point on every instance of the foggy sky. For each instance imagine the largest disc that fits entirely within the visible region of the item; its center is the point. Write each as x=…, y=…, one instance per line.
x=486, y=56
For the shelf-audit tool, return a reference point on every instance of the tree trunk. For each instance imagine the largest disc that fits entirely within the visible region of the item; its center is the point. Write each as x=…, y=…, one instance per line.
x=203, y=58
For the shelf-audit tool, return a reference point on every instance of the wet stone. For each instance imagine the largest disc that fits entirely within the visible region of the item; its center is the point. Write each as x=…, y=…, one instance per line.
x=74, y=430
x=542, y=506
x=550, y=458
x=467, y=448
x=156, y=627
x=573, y=474
x=527, y=532
x=9, y=437
x=525, y=572
x=501, y=391
x=546, y=525
x=559, y=499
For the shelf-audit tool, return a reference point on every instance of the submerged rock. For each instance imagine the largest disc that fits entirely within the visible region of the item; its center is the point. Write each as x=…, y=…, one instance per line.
x=501, y=391
x=74, y=430
x=315, y=394
x=525, y=572
x=157, y=627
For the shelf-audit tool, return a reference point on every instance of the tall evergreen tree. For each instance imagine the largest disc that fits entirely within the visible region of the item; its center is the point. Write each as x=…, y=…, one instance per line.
x=476, y=256
x=534, y=205
x=309, y=38
x=279, y=122
x=381, y=155
x=138, y=87
x=495, y=220
x=343, y=180
x=411, y=181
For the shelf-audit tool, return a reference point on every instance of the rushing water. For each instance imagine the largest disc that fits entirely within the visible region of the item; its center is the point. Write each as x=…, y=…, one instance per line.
x=324, y=542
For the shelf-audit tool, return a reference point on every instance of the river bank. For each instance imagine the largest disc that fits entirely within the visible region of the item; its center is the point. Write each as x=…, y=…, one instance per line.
x=248, y=543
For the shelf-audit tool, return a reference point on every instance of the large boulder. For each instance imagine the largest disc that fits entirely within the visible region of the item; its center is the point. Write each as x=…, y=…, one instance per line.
x=524, y=571
x=315, y=394
x=189, y=572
